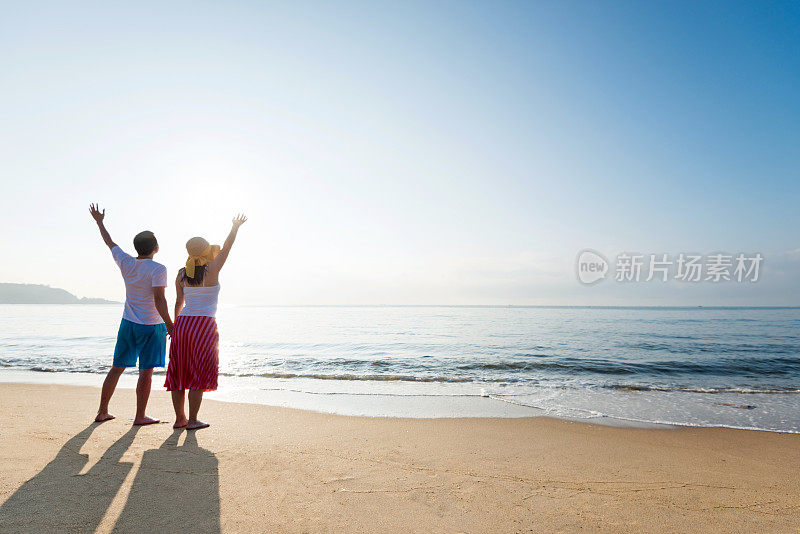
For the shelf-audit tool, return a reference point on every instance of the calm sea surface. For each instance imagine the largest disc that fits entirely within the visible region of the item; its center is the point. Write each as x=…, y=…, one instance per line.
x=737, y=367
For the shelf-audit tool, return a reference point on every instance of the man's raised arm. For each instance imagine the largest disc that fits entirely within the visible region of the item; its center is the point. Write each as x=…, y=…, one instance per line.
x=98, y=217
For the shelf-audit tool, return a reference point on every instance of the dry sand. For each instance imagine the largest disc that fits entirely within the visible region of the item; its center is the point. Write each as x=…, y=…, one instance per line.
x=268, y=469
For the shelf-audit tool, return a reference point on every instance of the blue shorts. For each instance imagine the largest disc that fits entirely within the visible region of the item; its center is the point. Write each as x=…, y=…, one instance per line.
x=147, y=342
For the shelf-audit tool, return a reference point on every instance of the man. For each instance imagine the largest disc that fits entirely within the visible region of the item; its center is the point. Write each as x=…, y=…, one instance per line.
x=145, y=320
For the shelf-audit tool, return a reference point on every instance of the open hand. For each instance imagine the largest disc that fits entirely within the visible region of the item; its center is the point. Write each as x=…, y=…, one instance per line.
x=97, y=215
x=239, y=220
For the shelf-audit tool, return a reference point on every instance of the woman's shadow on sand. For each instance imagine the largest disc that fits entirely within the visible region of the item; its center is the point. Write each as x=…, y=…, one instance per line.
x=175, y=488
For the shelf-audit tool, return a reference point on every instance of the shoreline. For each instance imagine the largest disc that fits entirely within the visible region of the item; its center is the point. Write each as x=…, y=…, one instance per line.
x=251, y=390
x=430, y=364
x=281, y=469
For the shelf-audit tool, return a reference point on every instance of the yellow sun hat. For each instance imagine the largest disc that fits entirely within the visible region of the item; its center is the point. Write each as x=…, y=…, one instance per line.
x=200, y=253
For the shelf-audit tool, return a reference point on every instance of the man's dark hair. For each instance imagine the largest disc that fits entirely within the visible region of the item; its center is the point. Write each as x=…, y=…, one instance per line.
x=145, y=243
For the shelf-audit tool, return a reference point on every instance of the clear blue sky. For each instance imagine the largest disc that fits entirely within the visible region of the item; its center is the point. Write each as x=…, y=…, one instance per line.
x=437, y=152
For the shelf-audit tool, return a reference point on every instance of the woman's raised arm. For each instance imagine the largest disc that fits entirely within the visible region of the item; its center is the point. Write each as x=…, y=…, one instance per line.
x=219, y=261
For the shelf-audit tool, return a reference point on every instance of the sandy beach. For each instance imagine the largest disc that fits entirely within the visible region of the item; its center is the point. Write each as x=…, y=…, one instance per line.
x=269, y=469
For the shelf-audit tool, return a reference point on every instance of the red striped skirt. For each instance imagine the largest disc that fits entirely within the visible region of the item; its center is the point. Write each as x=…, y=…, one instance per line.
x=193, y=354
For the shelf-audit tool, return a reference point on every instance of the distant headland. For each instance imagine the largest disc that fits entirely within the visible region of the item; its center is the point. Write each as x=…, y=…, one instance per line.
x=39, y=294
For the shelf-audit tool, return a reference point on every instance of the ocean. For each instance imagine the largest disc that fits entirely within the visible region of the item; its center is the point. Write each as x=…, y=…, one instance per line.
x=730, y=367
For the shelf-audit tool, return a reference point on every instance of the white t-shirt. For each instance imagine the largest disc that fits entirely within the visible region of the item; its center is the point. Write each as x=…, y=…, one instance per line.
x=141, y=276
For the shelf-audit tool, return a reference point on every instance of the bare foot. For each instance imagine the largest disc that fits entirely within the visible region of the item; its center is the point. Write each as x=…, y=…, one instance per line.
x=195, y=425
x=145, y=421
x=180, y=423
x=103, y=417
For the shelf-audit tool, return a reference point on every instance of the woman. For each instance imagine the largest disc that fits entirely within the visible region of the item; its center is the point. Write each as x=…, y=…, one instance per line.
x=194, y=351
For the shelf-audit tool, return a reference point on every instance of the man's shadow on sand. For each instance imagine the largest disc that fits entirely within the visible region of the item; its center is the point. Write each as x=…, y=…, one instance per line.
x=61, y=499
x=175, y=488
